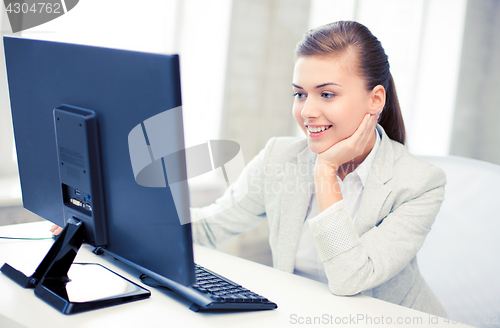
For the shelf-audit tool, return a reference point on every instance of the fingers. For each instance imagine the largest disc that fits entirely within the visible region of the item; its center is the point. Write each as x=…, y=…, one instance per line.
x=363, y=134
x=56, y=230
x=367, y=124
x=365, y=128
x=364, y=123
x=372, y=121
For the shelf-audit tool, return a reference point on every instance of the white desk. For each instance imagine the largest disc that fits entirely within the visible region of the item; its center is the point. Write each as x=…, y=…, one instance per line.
x=299, y=299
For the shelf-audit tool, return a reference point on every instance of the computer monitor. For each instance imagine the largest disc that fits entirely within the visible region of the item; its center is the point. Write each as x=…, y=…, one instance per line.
x=77, y=111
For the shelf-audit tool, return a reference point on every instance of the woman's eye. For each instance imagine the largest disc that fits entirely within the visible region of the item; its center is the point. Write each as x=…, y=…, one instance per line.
x=299, y=95
x=327, y=95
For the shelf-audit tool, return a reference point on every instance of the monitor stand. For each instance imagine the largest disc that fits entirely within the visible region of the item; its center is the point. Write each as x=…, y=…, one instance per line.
x=68, y=286
x=75, y=287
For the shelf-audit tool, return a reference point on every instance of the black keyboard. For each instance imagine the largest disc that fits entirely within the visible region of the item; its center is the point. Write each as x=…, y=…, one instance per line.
x=224, y=294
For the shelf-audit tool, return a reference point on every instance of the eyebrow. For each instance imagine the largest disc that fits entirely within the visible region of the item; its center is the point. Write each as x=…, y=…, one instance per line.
x=318, y=86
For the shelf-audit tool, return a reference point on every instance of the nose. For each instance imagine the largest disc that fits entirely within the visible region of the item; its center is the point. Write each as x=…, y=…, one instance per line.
x=310, y=109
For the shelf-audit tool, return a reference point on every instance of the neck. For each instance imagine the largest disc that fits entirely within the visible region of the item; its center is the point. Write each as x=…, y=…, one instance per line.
x=350, y=166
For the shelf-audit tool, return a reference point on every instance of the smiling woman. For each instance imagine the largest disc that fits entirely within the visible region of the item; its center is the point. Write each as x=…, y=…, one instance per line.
x=351, y=207
x=360, y=61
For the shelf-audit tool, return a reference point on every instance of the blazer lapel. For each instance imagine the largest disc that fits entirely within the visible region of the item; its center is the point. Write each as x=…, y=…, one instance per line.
x=376, y=191
x=296, y=191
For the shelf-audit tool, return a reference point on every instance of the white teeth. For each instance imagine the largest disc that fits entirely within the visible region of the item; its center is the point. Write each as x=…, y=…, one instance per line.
x=317, y=129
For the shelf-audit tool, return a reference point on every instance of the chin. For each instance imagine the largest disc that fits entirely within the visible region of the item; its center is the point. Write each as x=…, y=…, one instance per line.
x=316, y=147
x=319, y=147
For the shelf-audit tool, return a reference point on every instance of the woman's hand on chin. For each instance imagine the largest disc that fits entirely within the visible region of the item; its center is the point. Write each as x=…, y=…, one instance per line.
x=328, y=162
x=351, y=147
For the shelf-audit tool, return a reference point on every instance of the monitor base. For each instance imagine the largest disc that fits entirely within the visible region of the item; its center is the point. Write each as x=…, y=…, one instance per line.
x=70, y=287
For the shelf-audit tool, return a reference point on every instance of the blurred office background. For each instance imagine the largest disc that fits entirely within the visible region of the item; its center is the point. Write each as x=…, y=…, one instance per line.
x=237, y=65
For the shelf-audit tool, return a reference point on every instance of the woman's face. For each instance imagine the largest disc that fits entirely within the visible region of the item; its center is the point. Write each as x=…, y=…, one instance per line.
x=330, y=99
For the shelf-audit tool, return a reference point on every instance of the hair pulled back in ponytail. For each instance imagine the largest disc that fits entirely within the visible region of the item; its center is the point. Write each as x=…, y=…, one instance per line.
x=338, y=38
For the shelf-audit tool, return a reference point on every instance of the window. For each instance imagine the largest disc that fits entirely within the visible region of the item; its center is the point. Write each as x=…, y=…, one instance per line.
x=196, y=29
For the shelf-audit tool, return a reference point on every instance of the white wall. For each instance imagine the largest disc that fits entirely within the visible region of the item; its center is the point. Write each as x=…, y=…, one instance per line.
x=203, y=34
x=203, y=41
x=437, y=80
x=477, y=114
x=10, y=190
x=7, y=165
x=196, y=29
x=422, y=38
x=120, y=24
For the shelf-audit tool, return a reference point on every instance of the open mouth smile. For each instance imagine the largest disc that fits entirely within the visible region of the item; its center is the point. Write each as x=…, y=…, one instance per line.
x=317, y=131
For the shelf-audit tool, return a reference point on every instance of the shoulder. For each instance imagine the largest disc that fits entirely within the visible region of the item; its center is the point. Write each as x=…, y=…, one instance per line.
x=414, y=172
x=284, y=149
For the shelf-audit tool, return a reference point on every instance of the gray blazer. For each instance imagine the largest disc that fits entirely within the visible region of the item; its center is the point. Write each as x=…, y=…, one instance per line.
x=375, y=256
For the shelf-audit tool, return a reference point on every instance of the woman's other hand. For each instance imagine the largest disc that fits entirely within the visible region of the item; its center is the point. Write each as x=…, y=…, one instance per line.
x=56, y=230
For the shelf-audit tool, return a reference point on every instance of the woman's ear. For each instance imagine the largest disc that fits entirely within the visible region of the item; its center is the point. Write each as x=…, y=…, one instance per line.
x=377, y=100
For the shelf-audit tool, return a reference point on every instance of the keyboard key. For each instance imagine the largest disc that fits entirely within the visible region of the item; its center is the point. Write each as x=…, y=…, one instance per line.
x=223, y=291
x=228, y=299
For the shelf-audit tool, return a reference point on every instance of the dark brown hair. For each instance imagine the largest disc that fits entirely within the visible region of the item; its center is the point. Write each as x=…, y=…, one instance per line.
x=340, y=37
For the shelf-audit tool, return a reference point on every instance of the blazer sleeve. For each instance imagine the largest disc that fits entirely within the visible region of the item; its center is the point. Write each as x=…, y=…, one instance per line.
x=214, y=224
x=357, y=263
